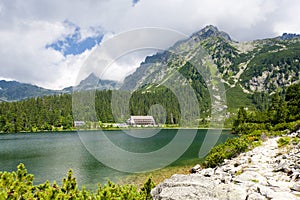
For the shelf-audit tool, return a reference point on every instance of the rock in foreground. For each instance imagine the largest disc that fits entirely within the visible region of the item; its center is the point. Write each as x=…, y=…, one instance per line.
x=266, y=172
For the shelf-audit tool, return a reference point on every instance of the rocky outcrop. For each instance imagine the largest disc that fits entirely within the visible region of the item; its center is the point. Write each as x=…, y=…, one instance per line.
x=266, y=172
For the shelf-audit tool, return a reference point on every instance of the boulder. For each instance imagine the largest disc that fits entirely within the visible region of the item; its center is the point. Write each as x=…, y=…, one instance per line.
x=262, y=173
x=296, y=187
x=195, y=169
x=180, y=187
x=255, y=196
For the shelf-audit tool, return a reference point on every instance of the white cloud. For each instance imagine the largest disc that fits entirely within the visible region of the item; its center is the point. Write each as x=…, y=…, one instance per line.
x=125, y=65
x=23, y=53
x=28, y=26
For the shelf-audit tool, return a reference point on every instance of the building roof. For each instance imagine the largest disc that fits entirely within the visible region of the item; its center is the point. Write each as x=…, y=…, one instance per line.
x=141, y=120
x=142, y=117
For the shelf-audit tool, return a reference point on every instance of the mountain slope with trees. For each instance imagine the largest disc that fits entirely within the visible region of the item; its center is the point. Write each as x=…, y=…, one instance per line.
x=245, y=68
x=254, y=73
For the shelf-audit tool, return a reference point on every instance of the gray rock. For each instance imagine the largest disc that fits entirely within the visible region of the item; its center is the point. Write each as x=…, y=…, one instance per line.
x=185, y=187
x=231, y=191
x=207, y=172
x=252, y=176
x=262, y=173
x=285, y=196
x=266, y=191
x=196, y=169
x=282, y=166
x=296, y=187
x=255, y=196
x=295, y=176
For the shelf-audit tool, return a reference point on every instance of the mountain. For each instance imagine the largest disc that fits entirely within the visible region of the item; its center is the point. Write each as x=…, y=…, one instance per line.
x=245, y=68
x=13, y=91
x=92, y=82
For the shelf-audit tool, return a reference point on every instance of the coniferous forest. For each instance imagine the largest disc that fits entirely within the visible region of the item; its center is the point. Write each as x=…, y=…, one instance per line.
x=54, y=113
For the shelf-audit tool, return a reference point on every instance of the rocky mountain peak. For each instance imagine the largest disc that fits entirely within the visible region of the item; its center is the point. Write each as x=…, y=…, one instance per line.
x=211, y=31
x=288, y=36
x=93, y=82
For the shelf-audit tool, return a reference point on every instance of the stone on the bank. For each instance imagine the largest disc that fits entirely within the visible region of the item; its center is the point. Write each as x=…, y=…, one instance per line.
x=296, y=187
x=262, y=173
x=185, y=187
x=195, y=169
x=255, y=196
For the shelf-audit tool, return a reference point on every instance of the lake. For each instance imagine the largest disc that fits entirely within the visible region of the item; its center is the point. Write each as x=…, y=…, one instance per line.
x=49, y=156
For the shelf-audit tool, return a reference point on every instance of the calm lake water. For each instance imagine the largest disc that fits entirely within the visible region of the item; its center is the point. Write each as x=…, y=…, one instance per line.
x=49, y=156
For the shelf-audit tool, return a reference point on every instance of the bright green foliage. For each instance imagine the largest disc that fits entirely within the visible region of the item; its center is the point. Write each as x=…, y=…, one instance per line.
x=233, y=147
x=236, y=98
x=278, y=109
x=293, y=102
x=281, y=114
x=19, y=185
x=146, y=189
x=53, y=113
x=283, y=141
x=241, y=118
x=41, y=113
x=261, y=100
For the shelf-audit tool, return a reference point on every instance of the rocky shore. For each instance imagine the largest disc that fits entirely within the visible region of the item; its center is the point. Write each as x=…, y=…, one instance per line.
x=266, y=172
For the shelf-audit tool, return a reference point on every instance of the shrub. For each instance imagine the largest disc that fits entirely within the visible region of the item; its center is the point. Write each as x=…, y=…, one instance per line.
x=248, y=128
x=231, y=148
x=19, y=185
x=295, y=141
x=283, y=141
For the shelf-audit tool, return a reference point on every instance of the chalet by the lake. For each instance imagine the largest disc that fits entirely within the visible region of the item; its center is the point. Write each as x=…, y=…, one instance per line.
x=141, y=121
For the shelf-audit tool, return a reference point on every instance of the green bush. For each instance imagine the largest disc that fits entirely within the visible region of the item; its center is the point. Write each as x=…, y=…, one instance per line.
x=247, y=128
x=283, y=141
x=291, y=126
x=295, y=141
x=19, y=185
x=231, y=148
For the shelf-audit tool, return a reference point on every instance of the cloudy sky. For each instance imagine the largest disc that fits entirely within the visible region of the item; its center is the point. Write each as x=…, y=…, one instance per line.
x=45, y=42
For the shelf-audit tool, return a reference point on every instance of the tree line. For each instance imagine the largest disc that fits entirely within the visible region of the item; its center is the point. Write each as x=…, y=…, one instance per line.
x=55, y=113
x=282, y=109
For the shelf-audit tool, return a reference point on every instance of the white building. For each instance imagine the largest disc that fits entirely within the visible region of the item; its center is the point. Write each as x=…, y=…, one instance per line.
x=141, y=121
x=79, y=123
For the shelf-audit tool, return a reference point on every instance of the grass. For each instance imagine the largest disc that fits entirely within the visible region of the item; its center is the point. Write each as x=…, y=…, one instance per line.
x=236, y=98
x=158, y=176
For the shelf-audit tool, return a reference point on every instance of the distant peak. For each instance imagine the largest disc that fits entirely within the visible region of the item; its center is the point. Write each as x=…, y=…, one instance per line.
x=211, y=31
x=211, y=28
x=288, y=36
x=92, y=76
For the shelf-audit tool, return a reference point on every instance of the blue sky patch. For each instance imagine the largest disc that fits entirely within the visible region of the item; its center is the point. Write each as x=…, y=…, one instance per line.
x=74, y=45
x=135, y=1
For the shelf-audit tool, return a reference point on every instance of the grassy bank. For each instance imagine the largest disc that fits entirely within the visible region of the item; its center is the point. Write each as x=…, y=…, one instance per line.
x=158, y=175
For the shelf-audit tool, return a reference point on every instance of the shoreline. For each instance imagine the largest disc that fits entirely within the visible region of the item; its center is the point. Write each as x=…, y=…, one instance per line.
x=268, y=171
x=119, y=129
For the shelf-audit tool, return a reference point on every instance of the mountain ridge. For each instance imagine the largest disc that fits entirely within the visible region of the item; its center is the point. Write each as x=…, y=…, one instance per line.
x=234, y=58
x=16, y=91
x=264, y=65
